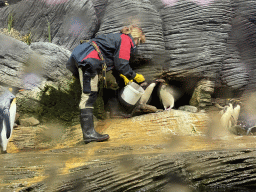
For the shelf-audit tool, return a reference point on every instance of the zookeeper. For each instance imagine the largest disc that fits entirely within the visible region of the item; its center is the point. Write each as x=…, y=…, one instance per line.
x=99, y=55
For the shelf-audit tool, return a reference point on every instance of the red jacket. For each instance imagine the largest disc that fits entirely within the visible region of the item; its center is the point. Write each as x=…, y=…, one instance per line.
x=115, y=48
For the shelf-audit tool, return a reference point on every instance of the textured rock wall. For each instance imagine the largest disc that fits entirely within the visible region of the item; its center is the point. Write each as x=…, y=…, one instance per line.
x=185, y=38
x=196, y=36
x=24, y=66
x=120, y=13
x=244, y=38
x=32, y=68
x=69, y=21
x=210, y=38
x=13, y=54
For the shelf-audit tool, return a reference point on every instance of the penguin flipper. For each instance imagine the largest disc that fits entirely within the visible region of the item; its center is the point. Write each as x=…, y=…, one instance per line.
x=145, y=98
x=6, y=115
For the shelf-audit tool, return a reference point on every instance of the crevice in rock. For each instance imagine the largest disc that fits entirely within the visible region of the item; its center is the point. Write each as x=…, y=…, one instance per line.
x=184, y=88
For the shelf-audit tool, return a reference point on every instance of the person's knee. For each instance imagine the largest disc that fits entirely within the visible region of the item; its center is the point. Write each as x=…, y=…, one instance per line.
x=91, y=100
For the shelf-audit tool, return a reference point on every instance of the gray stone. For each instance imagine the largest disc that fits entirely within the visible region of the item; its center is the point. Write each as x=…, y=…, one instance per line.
x=70, y=21
x=13, y=55
x=24, y=66
x=30, y=121
x=32, y=68
x=188, y=108
x=202, y=94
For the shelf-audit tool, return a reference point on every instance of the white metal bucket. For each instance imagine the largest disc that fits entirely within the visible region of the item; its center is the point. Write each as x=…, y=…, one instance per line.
x=132, y=93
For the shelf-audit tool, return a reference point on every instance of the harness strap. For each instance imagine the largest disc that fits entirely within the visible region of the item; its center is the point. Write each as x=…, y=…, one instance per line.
x=104, y=65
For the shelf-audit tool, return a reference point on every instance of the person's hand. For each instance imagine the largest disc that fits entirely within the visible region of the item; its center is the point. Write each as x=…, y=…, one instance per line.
x=139, y=78
x=126, y=81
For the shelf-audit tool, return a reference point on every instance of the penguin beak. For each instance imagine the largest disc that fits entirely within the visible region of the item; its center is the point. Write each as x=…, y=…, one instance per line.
x=13, y=101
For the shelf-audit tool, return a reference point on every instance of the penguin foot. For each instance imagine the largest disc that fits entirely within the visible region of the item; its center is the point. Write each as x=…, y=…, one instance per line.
x=168, y=109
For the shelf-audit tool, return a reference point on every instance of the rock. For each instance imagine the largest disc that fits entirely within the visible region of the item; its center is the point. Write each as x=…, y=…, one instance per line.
x=13, y=55
x=188, y=108
x=123, y=13
x=185, y=39
x=50, y=60
x=243, y=38
x=202, y=94
x=144, y=108
x=33, y=68
x=237, y=130
x=26, y=67
x=31, y=121
x=196, y=36
x=100, y=7
x=68, y=21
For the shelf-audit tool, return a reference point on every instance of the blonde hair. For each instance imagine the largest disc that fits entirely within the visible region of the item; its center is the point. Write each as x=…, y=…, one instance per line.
x=135, y=32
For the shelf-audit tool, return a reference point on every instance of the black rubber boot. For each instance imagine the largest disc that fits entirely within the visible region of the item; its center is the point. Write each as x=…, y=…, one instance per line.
x=87, y=125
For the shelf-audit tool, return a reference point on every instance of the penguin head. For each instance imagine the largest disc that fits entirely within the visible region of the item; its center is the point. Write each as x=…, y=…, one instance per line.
x=6, y=99
x=235, y=102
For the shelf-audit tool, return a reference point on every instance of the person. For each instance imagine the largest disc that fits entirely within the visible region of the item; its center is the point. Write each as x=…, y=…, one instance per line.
x=87, y=62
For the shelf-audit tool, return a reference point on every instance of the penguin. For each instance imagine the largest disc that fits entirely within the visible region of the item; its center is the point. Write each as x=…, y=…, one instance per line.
x=166, y=96
x=226, y=119
x=236, y=110
x=147, y=95
x=7, y=118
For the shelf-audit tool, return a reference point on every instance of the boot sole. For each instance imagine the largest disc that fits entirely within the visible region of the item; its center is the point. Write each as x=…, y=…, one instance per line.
x=93, y=140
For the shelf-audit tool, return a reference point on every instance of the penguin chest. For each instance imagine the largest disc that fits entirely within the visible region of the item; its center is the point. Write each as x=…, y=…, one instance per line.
x=6, y=126
x=167, y=98
x=4, y=140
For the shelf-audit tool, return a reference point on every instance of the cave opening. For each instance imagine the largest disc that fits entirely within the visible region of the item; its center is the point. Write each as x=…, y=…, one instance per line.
x=181, y=88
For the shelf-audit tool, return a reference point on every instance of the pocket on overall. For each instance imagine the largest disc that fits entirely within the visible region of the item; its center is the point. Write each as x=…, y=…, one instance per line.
x=88, y=74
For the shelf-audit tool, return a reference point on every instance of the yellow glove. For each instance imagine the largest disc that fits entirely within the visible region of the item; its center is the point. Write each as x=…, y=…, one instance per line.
x=139, y=78
x=126, y=81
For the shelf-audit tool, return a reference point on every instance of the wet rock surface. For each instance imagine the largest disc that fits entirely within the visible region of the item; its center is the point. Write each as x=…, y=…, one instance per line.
x=149, y=152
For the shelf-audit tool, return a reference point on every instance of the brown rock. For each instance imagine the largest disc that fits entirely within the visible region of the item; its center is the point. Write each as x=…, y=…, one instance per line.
x=31, y=121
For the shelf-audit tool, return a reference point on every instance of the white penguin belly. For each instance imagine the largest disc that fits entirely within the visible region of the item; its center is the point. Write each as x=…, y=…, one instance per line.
x=4, y=139
x=167, y=99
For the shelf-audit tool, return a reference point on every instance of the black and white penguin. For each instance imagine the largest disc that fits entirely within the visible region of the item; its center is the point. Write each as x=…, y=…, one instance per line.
x=7, y=118
x=166, y=96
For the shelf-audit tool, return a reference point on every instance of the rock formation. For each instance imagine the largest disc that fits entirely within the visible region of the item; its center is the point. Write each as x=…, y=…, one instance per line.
x=186, y=40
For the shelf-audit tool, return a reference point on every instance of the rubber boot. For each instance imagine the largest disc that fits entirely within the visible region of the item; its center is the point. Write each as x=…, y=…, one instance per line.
x=87, y=125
